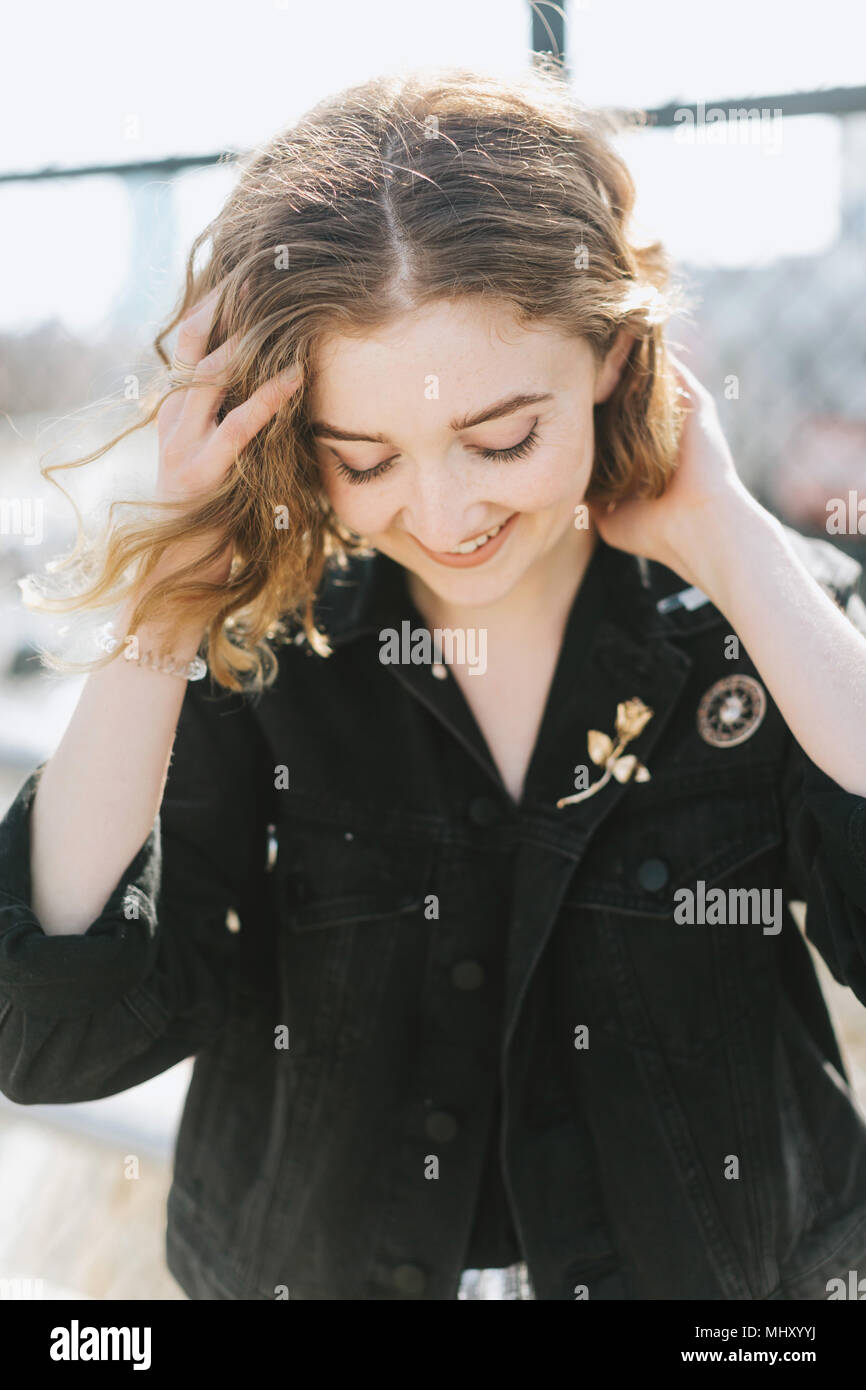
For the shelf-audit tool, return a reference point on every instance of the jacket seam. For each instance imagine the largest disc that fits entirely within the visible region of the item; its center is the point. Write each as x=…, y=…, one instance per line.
x=128, y=1000
x=821, y=1263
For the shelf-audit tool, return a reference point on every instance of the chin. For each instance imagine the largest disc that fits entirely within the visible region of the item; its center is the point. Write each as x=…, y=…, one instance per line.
x=470, y=588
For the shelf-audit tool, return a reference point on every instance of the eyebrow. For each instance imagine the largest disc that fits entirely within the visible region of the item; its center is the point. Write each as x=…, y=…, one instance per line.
x=466, y=422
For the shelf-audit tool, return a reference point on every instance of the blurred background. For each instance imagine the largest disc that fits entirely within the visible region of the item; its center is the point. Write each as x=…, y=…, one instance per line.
x=117, y=128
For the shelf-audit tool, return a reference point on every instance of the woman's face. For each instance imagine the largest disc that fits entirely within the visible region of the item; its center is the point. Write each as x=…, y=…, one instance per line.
x=427, y=479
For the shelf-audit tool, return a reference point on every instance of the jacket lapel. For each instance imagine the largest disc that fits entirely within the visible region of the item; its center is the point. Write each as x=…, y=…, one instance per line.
x=381, y=603
x=627, y=657
x=622, y=655
x=625, y=654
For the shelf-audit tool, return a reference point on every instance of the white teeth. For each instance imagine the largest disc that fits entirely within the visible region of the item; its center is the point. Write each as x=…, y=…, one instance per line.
x=468, y=546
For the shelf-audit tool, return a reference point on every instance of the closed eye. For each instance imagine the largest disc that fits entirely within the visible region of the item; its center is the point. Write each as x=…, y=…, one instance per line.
x=363, y=475
x=516, y=451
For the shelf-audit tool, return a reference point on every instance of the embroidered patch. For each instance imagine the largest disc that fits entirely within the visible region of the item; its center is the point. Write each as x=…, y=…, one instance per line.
x=731, y=710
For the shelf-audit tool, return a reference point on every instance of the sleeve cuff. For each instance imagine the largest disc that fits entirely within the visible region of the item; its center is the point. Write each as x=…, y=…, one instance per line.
x=71, y=975
x=841, y=817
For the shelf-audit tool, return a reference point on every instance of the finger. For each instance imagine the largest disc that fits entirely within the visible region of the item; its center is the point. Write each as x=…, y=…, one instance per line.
x=686, y=378
x=195, y=328
x=687, y=397
x=239, y=426
x=201, y=402
x=676, y=367
x=192, y=341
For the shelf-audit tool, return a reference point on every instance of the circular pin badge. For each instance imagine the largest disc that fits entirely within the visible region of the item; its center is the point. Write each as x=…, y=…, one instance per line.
x=731, y=711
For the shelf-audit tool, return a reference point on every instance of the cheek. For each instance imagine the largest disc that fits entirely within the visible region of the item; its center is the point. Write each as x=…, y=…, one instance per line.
x=560, y=477
x=363, y=507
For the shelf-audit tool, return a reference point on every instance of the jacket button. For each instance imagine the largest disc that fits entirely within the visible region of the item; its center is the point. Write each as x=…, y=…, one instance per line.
x=273, y=848
x=233, y=921
x=653, y=874
x=484, y=811
x=467, y=974
x=409, y=1279
x=440, y=1125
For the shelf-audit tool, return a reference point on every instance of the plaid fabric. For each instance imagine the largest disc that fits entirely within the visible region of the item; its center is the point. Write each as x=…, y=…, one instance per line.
x=511, y=1282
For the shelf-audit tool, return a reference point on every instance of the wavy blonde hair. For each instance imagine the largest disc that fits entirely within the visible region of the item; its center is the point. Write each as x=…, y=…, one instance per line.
x=392, y=194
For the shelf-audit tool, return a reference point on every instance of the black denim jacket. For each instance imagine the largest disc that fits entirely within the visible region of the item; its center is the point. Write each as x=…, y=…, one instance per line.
x=675, y=1121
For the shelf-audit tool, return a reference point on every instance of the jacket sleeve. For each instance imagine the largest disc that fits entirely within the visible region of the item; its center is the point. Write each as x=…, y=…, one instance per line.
x=825, y=828
x=86, y=1016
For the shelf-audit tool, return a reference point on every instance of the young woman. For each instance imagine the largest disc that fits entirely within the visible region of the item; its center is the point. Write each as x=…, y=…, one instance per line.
x=466, y=876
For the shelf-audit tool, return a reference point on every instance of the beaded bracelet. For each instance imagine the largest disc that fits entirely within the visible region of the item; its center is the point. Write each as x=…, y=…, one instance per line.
x=193, y=670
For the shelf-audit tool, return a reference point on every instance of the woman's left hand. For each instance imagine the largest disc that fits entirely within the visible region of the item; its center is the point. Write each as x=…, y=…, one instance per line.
x=709, y=529
x=701, y=503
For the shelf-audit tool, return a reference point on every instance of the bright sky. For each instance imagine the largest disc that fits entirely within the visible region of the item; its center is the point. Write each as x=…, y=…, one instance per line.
x=106, y=81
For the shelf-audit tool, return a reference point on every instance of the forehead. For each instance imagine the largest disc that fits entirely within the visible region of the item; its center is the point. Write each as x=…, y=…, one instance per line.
x=450, y=348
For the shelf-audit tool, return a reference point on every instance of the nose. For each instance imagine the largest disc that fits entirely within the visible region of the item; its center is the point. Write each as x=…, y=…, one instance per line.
x=438, y=510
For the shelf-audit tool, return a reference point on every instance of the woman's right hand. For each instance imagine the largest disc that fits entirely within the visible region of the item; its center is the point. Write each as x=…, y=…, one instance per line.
x=99, y=794
x=195, y=453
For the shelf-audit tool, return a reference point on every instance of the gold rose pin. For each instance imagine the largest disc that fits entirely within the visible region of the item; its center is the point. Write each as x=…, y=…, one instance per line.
x=631, y=717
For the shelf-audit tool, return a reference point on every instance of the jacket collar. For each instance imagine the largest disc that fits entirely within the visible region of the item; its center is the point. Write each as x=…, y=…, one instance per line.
x=642, y=598
x=627, y=652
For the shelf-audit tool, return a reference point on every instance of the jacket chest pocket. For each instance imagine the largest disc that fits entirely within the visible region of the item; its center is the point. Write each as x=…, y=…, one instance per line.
x=351, y=908
x=673, y=916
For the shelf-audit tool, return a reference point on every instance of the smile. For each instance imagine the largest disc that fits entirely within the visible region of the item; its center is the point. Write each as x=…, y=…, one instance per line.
x=467, y=547
x=477, y=550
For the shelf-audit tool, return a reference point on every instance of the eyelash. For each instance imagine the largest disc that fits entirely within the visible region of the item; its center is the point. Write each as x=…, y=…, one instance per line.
x=358, y=475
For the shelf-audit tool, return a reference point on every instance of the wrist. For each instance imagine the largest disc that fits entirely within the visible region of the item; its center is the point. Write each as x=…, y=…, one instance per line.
x=181, y=637
x=728, y=539
x=152, y=644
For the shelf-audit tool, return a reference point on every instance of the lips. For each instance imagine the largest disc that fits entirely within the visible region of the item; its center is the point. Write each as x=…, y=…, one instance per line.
x=475, y=542
x=491, y=541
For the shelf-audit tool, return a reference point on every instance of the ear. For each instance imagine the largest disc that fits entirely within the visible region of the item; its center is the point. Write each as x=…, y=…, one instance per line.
x=610, y=370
